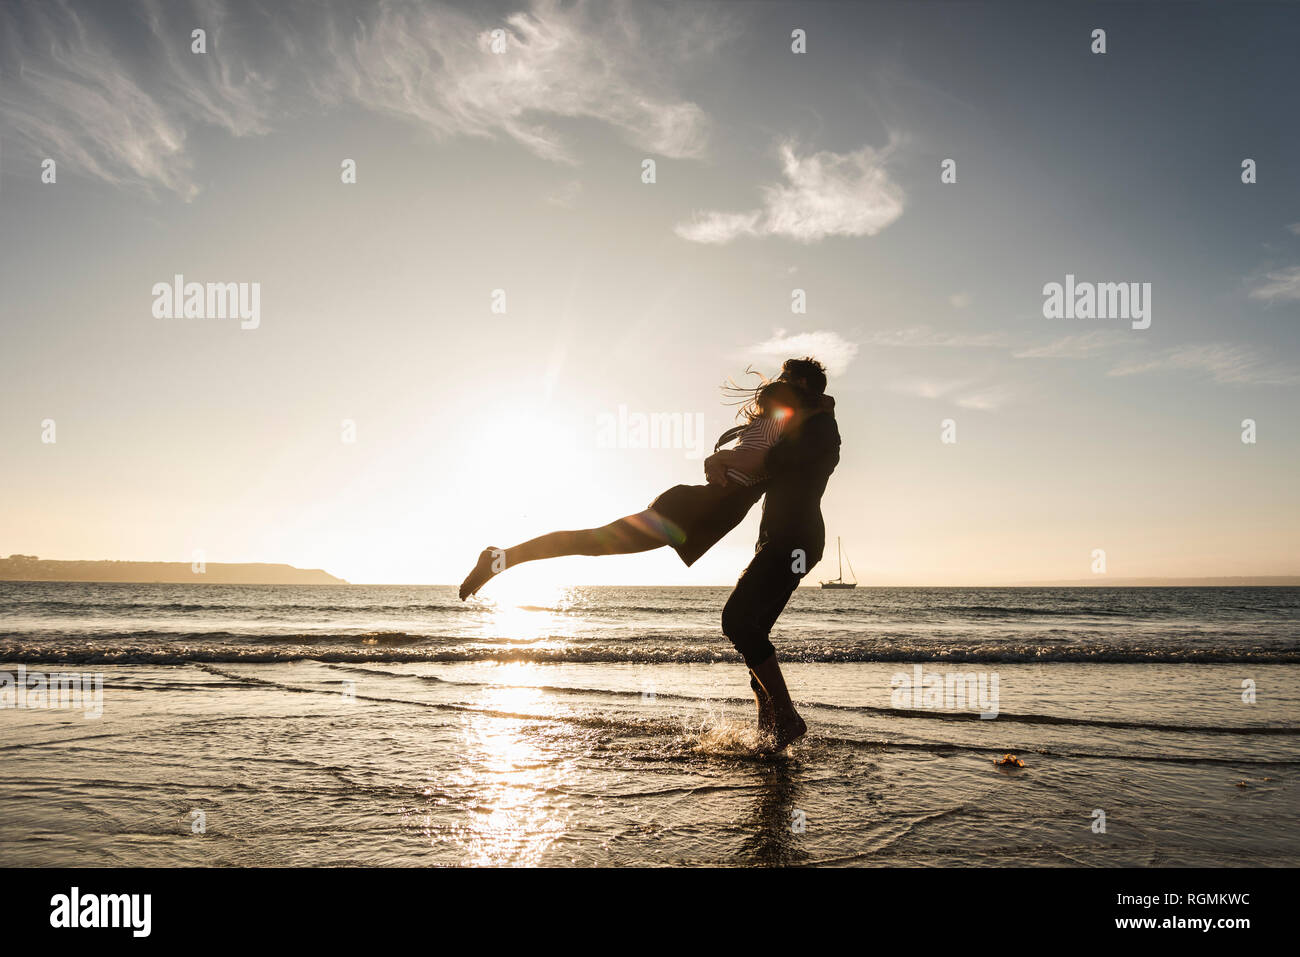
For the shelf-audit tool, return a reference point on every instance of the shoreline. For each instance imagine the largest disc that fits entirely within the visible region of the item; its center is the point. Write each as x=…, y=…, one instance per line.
x=587, y=765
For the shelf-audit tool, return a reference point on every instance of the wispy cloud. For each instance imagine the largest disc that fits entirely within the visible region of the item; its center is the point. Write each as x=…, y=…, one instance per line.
x=1224, y=363
x=1083, y=346
x=964, y=393
x=925, y=337
x=959, y=300
x=220, y=88
x=1281, y=283
x=566, y=194
x=437, y=67
x=825, y=194
x=833, y=350
x=119, y=105
x=985, y=400
x=716, y=227
x=64, y=94
x=925, y=388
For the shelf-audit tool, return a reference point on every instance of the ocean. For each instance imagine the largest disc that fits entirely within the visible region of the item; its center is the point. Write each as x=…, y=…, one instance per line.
x=395, y=725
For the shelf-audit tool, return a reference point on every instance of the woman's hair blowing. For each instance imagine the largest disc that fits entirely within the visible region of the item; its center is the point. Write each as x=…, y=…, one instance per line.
x=763, y=399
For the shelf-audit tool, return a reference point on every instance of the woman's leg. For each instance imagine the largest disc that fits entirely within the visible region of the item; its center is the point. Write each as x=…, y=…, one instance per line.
x=634, y=533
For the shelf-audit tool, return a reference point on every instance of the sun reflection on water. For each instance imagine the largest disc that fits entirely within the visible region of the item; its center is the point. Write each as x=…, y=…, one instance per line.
x=508, y=766
x=514, y=769
x=532, y=614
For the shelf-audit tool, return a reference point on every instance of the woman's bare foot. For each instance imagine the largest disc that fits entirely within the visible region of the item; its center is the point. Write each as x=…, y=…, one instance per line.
x=789, y=729
x=481, y=573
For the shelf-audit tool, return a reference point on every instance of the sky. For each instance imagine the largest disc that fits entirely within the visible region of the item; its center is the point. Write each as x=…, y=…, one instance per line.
x=441, y=346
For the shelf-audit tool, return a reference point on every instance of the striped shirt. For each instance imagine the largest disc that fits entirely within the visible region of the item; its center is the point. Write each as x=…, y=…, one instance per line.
x=761, y=434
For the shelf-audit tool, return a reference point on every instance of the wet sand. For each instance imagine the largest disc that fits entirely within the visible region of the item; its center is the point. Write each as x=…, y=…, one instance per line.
x=582, y=764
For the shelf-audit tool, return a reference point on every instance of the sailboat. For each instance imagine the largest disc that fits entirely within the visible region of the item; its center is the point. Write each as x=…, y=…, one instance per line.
x=840, y=582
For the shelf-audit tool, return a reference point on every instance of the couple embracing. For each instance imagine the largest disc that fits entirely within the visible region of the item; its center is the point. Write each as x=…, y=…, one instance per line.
x=785, y=453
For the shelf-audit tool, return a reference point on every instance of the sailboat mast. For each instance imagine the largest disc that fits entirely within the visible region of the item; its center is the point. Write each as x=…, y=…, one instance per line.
x=840, y=553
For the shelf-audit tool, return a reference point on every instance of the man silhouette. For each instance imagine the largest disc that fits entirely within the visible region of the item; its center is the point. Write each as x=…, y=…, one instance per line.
x=790, y=542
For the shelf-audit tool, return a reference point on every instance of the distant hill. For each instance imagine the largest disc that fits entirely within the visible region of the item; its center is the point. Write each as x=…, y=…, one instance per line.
x=1102, y=581
x=32, y=569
